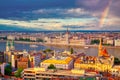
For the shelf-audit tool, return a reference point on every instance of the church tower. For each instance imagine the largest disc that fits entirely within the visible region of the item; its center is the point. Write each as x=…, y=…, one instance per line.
x=7, y=46
x=12, y=47
x=100, y=48
x=67, y=36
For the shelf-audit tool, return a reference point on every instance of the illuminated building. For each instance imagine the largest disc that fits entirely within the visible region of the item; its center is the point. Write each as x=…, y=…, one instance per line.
x=103, y=62
x=9, y=50
x=67, y=36
x=13, y=61
x=117, y=42
x=63, y=63
x=115, y=70
x=59, y=62
x=10, y=45
x=110, y=41
x=43, y=73
x=19, y=59
x=67, y=40
x=22, y=63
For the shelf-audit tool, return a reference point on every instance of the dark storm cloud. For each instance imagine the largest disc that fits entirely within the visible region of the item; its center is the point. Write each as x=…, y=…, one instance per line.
x=35, y=4
x=8, y=6
x=93, y=5
x=115, y=8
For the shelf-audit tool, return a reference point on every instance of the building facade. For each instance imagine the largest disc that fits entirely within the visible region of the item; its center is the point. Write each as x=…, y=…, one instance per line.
x=9, y=50
x=35, y=60
x=22, y=63
x=66, y=63
x=103, y=62
x=40, y=73
x=117, y=42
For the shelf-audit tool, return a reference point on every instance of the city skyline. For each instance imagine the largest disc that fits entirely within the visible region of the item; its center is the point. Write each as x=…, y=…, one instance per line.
x=57, y=15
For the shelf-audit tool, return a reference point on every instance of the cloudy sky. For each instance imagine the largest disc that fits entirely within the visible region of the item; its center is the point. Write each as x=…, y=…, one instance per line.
x=40, y=15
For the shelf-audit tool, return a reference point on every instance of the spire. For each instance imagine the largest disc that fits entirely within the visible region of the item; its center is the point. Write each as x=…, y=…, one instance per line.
x=100, y=47
x=12, y=43
x=67, y=36
x=8, y=43
x=100, y=44
x=67, y=31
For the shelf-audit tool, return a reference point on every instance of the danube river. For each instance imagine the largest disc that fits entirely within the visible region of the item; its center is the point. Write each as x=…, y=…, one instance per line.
x=93, y=51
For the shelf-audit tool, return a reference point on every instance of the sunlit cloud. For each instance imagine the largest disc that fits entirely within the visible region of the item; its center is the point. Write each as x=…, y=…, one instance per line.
x=50, y=24
x=59, y=24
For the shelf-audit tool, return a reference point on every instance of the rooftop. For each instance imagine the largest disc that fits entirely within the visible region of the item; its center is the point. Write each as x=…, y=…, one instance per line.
x=58, y=61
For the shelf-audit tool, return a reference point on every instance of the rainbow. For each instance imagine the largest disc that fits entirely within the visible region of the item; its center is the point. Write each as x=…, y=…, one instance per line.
x=105, y=14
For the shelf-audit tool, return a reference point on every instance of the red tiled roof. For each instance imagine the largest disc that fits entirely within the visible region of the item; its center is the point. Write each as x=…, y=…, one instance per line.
x=24, y=59
x=105, y=53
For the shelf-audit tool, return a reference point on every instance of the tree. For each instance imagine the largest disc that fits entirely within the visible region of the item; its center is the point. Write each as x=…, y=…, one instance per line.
x=95, y=42
x=8, y=70
x=18, y=72
x=116, y=61
x=51, y=66
x=47, y=50
x=40, y=40
x=71, y=50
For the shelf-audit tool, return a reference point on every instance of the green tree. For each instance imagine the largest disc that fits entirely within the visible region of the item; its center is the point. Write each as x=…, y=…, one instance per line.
x=47, y=50
x=95, y=42
x=40, y=40
x=51, y=66
x=116, y=61
x=18, y=72
x=28, y=40
x=8, y=70
x=71, y=50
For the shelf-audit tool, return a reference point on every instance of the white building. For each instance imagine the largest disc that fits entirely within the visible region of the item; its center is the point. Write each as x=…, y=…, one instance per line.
x=117, y=42
x=110, y=41
x=3, y=68
x=10, y=37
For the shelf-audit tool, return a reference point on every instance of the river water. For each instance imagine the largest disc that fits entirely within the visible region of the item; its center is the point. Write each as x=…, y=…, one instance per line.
x=92, y=51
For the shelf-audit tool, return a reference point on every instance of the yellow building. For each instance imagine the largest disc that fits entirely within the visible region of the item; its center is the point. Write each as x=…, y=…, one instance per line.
x=62, y=63
x=76, y=71
x=103, y=62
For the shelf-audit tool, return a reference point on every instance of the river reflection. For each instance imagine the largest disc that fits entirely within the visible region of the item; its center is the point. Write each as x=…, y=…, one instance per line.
x=92, y=51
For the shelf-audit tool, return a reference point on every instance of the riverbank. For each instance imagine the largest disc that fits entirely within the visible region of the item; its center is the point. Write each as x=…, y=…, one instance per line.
x=25, y=42
x=62, y=45
x=82, y=46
